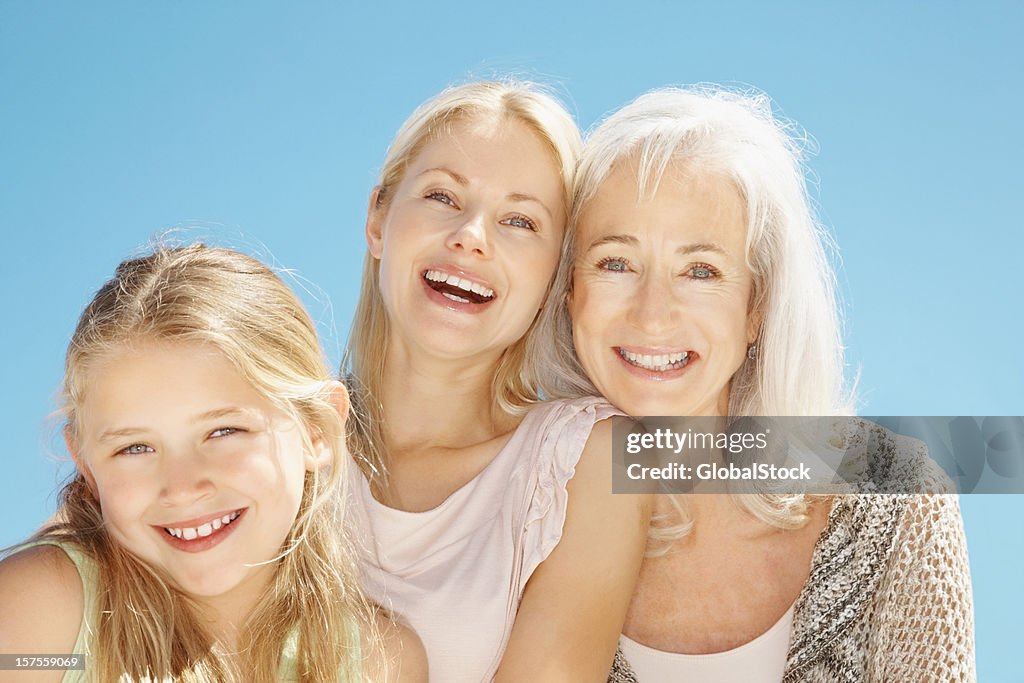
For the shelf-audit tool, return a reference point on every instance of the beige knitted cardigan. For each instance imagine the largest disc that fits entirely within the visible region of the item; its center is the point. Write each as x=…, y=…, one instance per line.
x=888, y=597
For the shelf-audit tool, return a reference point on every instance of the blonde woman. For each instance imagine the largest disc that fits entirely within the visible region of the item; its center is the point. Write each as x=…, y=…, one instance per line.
x=695, y=283
x=199, y=539
x=489, y=521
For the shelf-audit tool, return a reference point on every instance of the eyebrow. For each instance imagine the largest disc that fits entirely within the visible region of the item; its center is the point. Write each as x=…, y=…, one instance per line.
x=457, y=177
x=700, y=246
x=628, y=240
x=111, y=434
x=522, y=197
x=220, y=412
x=631, y=241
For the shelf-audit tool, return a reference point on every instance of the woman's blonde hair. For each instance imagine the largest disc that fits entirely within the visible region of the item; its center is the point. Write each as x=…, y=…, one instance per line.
x=144, y=628
x=517, y=378
x=798, y=369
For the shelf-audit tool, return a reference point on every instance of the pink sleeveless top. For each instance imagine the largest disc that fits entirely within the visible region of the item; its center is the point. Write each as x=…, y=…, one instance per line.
x=456, y=573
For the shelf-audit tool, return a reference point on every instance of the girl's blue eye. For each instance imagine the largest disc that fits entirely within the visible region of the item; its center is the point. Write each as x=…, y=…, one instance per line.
x=135, y=449
x=223, y=431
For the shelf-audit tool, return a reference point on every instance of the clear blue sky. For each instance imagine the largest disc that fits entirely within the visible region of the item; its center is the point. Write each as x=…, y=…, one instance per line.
x=262, y=125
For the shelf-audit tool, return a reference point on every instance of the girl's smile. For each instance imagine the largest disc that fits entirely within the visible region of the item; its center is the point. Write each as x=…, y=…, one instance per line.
x=196, y=471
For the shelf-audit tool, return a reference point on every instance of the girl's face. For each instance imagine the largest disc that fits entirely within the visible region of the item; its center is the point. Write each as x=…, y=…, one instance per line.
x=661, y=292
x=469, y=239
x=196, y=472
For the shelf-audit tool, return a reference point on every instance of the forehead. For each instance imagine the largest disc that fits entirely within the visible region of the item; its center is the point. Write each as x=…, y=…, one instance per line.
x=684, y=203
x=162, y=376
x=493, y=146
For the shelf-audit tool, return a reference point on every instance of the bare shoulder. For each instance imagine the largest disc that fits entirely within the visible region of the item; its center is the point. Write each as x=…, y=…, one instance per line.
x=43, y=601
x=594, y=471
x=598, y=448
x=398, y=657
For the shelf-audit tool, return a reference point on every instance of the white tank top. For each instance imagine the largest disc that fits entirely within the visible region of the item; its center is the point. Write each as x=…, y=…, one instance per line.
x=762, y=660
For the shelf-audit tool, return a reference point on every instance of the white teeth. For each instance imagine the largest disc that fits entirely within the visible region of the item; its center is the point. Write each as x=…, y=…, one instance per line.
x=461, y=283
x=455, y=298
x=203, y=530
x=659, y=362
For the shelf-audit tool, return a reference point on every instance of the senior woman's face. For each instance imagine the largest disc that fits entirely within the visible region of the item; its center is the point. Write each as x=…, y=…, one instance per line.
x=661, y=292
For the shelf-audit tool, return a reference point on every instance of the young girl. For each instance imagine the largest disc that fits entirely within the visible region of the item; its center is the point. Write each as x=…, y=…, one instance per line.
x=198, y=540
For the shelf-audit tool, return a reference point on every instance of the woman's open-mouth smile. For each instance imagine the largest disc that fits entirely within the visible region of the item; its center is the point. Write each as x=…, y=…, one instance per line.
x=657, y=366
x=457, y=292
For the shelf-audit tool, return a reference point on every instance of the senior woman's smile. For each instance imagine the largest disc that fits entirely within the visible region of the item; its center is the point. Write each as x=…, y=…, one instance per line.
x=662, y=291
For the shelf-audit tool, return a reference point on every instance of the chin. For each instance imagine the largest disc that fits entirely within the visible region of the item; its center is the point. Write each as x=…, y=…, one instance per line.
x=638, y=405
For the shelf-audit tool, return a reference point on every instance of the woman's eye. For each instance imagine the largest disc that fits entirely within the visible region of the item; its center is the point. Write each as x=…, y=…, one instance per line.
x=702, y=272
x=443, y=197
x=521, y=222
x=223, y=431
x=136, y=449
x=614, y=265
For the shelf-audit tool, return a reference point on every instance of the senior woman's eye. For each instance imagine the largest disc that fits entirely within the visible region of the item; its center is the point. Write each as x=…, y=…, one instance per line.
x=702, y=271
x=613, y=264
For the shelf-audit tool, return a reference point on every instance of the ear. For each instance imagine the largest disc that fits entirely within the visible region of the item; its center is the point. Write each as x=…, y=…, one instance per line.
x=323, y=453
x=375, y=213
x=76, y=457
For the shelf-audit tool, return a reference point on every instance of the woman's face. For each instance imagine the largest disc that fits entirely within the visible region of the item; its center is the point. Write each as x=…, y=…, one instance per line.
x=469, y=239
x=661, y=292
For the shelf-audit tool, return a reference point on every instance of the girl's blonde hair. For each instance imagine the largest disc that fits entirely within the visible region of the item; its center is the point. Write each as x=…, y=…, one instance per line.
x=798, y=369
x=517, y=378
x=144, y=628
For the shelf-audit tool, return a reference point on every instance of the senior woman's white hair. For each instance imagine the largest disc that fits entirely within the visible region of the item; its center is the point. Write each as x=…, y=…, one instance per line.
x=799, y=365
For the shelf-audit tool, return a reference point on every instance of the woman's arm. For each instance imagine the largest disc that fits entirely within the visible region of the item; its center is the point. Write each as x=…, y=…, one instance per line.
x=42, y=600
x=924, y=624
x=575, y=603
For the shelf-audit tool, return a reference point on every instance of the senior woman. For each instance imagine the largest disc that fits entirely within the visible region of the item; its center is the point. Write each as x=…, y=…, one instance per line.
x=695, y=283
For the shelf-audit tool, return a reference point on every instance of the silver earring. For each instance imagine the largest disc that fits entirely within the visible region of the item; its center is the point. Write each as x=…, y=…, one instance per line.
x=752, y=352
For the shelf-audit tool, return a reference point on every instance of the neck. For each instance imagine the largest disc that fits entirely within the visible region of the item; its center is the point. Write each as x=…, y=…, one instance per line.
x=439, y=403
x=226, y=615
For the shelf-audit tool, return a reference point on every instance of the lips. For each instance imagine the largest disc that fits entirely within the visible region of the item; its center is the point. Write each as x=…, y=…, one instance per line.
x=201, y=533
x=655, y=364
x=659, y=362
x=458, y=288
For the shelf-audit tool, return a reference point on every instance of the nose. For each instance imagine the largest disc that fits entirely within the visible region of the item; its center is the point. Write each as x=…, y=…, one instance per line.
x=471, y=236
x=654, y=310
x=186, y=479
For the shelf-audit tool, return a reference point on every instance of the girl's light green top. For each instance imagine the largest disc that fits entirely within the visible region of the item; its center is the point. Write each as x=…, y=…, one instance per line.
x=89, y=574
